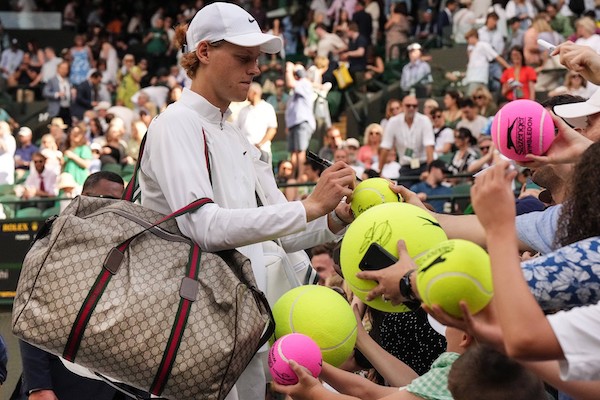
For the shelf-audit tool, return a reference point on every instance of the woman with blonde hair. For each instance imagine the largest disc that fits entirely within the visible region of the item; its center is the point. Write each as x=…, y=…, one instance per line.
x=138, y=131
x=484, y=101
x=368, y=152
x=392, y=108
x=575, y=85
x=586, y=33
x=49, y=149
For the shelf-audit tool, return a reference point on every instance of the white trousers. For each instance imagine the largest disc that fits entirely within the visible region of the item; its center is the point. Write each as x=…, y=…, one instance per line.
x=251, y=385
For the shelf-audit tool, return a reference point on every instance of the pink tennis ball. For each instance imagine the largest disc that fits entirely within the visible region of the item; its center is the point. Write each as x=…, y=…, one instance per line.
x=522, y=127
x=297, y=347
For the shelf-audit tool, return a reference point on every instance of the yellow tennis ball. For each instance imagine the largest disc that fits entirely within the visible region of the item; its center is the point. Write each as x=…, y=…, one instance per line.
x=322, y=314
x=454, y=271
x=371, y=192
x=385, y=225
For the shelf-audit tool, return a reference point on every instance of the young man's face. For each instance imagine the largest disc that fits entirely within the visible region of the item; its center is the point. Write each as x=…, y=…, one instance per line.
x=231, y=69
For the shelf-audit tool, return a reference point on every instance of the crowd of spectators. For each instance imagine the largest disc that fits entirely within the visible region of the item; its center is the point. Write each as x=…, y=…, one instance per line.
x=122, y=69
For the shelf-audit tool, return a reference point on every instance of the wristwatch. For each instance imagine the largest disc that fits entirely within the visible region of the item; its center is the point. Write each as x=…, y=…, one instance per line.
x=406, y=291
x=406, y=287
x=335, y=218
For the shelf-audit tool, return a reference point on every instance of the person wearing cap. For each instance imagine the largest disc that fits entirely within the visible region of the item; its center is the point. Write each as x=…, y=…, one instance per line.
x=410, y=134
x=193, y=152
x=10, y=59
x=584, y=114
x=432, y=185
x=416, y=72
x=26, y=148
x=300, y=119
x=352, y=145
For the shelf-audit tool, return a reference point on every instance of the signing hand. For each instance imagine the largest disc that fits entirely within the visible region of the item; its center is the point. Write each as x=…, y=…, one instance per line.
x=335, y=182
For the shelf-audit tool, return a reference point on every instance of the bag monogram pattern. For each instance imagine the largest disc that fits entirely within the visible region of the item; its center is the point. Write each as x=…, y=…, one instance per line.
x=131, y=324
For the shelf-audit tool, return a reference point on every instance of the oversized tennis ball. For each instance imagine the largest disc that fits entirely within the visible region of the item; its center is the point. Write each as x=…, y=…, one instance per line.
x=297, y=347
x=386, y=224
x=522, y=127
x=323, y=315
x=371, y=192
x=454, y=271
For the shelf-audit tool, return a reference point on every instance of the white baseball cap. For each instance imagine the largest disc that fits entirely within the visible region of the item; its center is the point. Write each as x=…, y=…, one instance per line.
x=231, y=23
x=576, y=113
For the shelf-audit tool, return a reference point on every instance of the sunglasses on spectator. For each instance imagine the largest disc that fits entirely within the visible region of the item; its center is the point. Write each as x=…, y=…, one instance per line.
x=437, y=116
x=478, y=97
x=486, y=148
x=374, y=133
x=411, y=105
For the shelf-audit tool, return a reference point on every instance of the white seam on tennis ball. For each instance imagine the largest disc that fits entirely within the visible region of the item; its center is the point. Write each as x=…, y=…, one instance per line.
x=458, y=274
x=279, y=351
x=541, y=130
x=308, y=288
x=381, y=196
x=343, y=342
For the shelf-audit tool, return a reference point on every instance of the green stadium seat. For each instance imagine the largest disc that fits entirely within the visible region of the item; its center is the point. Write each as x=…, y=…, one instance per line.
x=51, y=211
x=7, y=189
x=28, y=212
x=9, y=208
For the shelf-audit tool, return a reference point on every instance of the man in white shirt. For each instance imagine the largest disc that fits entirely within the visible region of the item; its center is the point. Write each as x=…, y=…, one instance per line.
x=490, y=33
x=417, y=72
x=470, y=118
x=41, y=181
x=480, y=55
x=411, y=133
x=50, y=65
x=193, y=152
x=258, y=122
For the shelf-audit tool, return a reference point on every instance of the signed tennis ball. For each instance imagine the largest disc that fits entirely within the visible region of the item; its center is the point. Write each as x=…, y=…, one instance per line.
x=297, y=347
x=454, y=271
x=371, y=192
x=320, y=313
x=522, y=127
x=385, y=225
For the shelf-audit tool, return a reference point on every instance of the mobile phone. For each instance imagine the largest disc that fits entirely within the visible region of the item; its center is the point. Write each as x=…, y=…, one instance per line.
x=376, y=258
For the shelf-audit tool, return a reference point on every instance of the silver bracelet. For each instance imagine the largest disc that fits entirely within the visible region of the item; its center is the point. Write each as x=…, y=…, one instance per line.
x=335, y=218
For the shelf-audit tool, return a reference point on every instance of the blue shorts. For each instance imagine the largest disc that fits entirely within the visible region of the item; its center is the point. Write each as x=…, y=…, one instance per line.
x=299, y=137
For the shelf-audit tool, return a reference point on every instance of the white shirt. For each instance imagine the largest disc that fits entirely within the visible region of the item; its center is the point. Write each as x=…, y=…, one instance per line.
x=254, y=121
x=476, y=126
x=462, y=22
x=49, y=69
x=49, y=176
x=10, y=61
x=494, y=38
x=479, y=62
x=577, y=333
x=416, y=137
x=593, y=42
x=444, y=137
x=7, y=160
x=174, y=173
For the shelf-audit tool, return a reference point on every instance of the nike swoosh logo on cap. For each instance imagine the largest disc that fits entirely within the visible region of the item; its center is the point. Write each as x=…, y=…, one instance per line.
x=251, y=20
